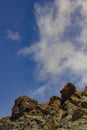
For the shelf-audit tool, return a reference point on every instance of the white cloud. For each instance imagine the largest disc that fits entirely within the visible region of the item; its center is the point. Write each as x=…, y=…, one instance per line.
x=40, y=91
x=55, y=53
x=14, y=36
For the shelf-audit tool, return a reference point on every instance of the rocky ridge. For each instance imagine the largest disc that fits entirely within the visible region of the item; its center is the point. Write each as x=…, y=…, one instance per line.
x=66, y=113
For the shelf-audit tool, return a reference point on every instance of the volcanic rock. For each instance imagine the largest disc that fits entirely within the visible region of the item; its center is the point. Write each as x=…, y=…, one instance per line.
x=67, y=91
x=23, y=104
x=66, y=113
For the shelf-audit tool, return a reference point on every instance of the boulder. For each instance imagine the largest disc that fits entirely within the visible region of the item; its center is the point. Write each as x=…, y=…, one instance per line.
x=23, y=104
x=67, y=91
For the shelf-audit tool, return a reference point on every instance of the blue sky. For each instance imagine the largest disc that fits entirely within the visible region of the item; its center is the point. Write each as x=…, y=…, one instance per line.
x=17, y=29
x=42, y=47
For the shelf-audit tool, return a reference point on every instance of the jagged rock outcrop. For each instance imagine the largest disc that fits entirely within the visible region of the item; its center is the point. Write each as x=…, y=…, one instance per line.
x=67, y=91
x=23, y=104
x=66, y=113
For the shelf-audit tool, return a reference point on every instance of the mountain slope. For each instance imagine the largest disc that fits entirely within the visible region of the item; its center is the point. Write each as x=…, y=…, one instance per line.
x=66, y=113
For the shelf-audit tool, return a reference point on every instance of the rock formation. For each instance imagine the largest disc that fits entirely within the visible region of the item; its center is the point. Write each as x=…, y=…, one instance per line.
x=66, y=113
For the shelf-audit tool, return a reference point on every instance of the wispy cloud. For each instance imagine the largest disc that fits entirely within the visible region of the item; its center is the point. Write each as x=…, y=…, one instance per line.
x=63, y=41
x=40, y=91
x=14, y=36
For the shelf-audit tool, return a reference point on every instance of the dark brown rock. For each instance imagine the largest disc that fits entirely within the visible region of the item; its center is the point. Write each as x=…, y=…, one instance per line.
x=77, y=114
x=67, y=91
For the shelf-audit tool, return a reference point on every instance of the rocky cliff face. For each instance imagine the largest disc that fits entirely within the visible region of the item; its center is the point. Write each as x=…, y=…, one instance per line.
x=66, y=113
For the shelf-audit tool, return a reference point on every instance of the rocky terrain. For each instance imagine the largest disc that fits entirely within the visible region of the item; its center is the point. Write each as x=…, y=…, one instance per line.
x=66, y=113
